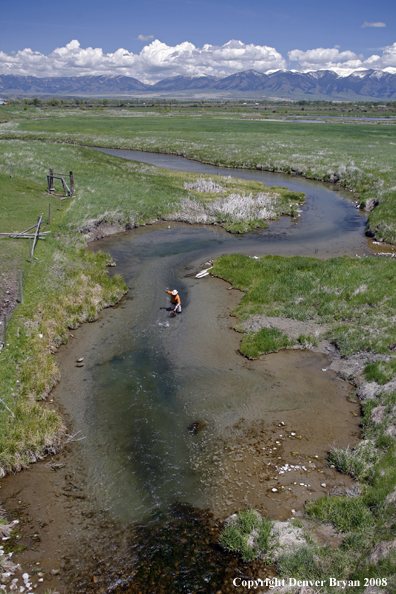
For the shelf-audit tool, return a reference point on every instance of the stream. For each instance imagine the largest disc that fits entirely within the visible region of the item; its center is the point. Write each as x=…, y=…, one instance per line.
x=177, y=430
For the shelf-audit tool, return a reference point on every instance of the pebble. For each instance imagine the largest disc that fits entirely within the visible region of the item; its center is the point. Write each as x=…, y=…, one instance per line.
x=323, y=485
x=274, y=490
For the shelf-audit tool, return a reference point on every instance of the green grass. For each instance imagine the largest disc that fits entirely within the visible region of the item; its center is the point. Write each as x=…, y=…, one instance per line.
x=67, y=286
x=380, y=371
x=346, y=514
x=361, y=154
x=64, y=287
x=355, y=297
x=266, y=340
x=17, y=196
x=124, y=193
x=235, y=535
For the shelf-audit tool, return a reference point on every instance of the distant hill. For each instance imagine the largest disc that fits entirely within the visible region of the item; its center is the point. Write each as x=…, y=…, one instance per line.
x=69, y=85
x=283, y=84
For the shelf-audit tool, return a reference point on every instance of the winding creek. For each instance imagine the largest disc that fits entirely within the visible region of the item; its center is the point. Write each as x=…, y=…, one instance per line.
x=172, y=417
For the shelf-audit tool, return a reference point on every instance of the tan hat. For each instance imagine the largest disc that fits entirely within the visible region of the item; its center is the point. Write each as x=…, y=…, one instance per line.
x=174, y=292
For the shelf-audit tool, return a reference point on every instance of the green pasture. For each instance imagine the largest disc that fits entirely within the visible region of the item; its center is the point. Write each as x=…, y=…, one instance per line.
x=360, y=154
x=120, y=191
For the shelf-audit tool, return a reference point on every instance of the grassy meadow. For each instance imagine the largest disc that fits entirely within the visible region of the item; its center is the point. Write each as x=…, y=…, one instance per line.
x=360, y=155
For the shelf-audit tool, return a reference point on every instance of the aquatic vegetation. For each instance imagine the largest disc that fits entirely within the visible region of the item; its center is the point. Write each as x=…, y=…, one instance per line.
x=358, y=462
x=307, y=340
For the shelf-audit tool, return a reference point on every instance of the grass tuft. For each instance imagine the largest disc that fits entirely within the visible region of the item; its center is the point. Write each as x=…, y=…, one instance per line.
x=247, y=534
x=346, y=514
x=266, y=340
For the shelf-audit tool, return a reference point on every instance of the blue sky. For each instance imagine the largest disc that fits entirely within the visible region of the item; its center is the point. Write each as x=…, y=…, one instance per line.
x=285, y=26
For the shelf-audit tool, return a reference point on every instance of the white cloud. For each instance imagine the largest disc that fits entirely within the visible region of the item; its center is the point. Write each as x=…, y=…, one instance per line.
x=145, y=37
x=373, y=24
x=155, y=62
x=343, y=63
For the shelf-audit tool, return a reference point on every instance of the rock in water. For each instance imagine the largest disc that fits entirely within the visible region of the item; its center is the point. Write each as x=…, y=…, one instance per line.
x=197, y=427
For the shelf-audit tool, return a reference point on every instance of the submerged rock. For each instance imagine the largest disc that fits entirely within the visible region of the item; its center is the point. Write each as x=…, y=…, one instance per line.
x=197, y=427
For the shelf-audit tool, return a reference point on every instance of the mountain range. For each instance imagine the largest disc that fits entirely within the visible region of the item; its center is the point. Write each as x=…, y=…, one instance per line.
x=363, y=85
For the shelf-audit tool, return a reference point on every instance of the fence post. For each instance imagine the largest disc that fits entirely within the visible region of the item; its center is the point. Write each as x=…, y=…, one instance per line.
x=71, y=184
x=20, y=287
x=51, y=181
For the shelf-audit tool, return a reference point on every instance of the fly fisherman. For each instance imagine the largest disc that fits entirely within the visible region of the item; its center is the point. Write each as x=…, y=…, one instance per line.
x=175, y=301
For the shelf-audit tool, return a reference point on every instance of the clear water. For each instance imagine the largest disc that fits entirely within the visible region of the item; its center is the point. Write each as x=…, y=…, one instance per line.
x=147, y=377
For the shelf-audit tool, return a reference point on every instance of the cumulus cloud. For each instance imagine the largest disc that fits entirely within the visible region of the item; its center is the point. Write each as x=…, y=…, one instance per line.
x=156, y=60
x=343, y=63
x=324, y=58
x=145, y=37
x=373, y=24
